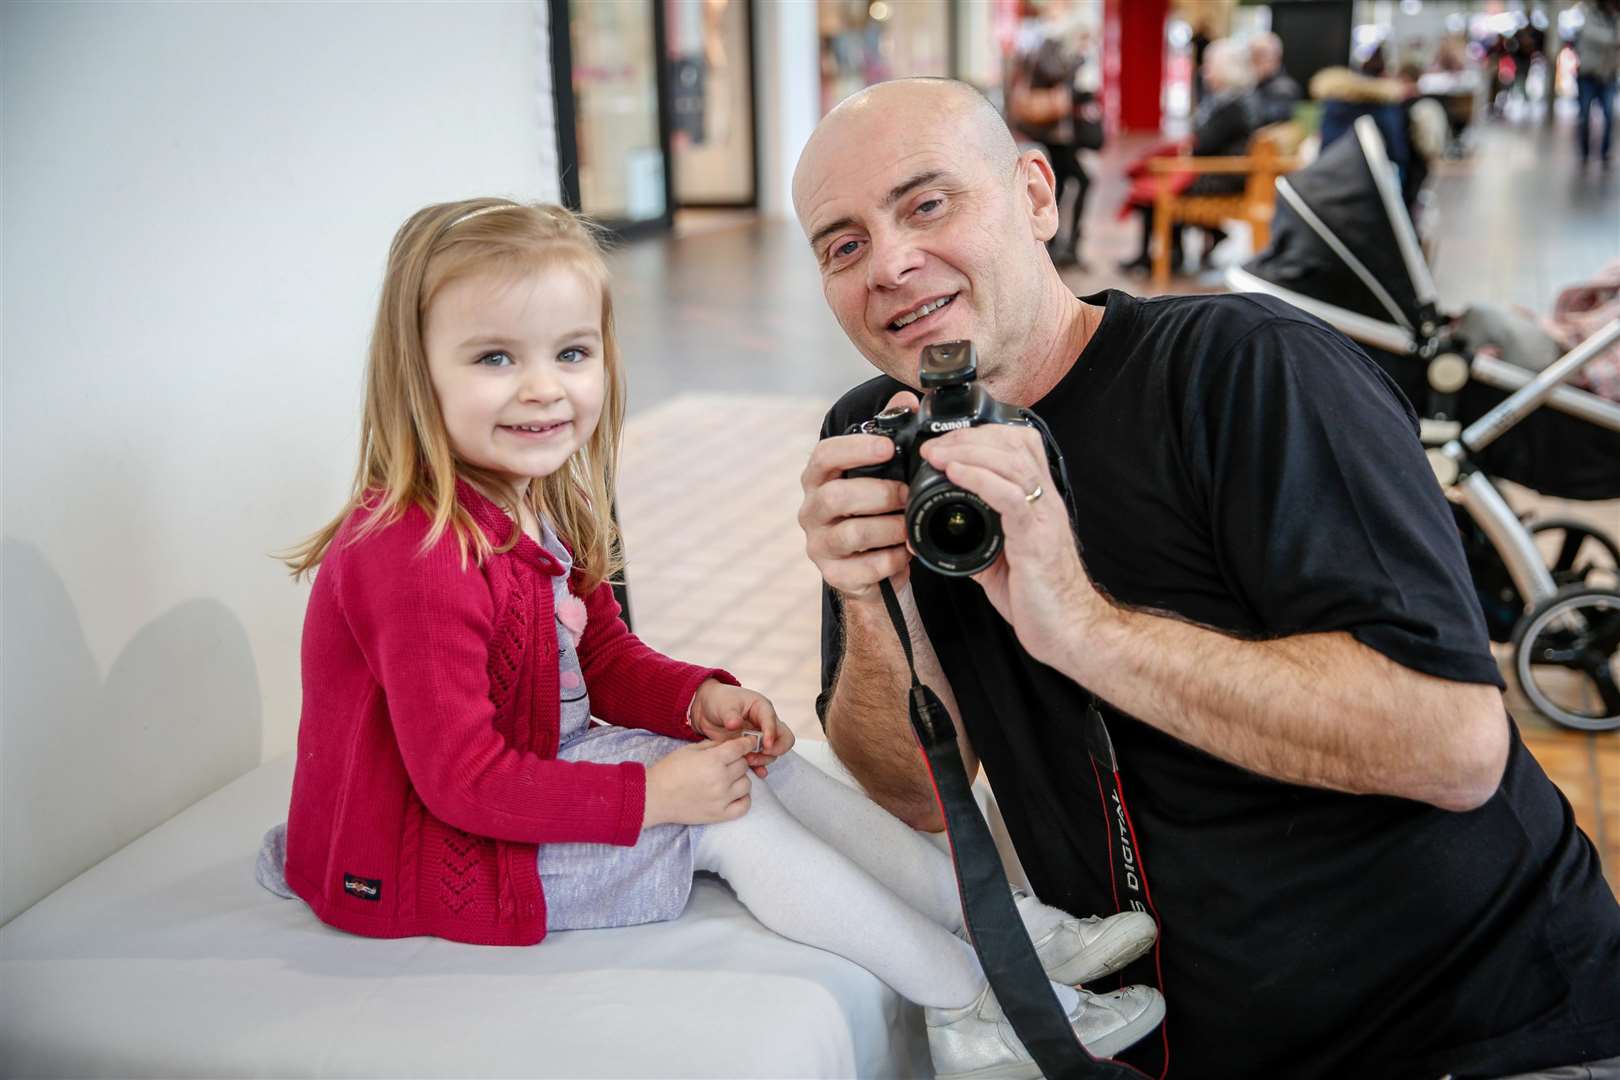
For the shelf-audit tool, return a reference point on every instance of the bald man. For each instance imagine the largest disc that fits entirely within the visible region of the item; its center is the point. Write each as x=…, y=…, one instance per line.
x=1357, y=867
x=1275, y=91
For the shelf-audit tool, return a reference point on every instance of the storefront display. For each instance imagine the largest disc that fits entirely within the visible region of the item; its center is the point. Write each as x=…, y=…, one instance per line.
x=619, y=146
x=711, y=96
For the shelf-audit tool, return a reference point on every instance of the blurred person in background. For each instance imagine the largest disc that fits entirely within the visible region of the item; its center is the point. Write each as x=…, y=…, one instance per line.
x=1275, y=91
x=1597, y=51
x=1376, y=63
x=1040, y=105
x=1414, y=129
x=1522, y=49
x=1451, y=55
x=1200, y=44
x=1454, y=82
x=1498, y=70
x=1222, y=124
x=1046, y=106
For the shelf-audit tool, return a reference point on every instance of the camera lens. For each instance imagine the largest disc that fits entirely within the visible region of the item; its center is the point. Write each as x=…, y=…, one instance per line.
x=952, y=531
x=955, y=527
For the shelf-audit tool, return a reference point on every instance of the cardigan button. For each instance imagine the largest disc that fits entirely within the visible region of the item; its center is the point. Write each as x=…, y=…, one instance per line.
x=528, y=910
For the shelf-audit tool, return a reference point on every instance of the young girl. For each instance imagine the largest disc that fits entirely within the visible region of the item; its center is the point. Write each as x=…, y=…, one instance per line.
x=461, y=633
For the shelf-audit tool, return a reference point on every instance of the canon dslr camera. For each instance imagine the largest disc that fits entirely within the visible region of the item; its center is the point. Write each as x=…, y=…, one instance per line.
x=950, y=530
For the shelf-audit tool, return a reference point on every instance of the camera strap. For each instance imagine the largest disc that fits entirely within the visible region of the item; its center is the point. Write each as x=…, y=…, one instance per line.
x=988, y=911
x=1126, y=871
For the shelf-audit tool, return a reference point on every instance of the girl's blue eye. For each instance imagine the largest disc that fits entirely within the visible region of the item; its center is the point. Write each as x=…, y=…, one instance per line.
x=574, y=355
x=496, y=359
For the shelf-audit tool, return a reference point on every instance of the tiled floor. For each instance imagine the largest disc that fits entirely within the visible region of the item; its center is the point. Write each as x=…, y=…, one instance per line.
x=709, y=499
x=734, y=358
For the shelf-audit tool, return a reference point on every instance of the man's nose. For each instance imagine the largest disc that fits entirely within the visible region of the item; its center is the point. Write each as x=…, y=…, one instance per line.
x=892, y=260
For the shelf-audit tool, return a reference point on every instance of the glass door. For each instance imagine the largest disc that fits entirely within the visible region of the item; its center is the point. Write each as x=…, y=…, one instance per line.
x=711, y=102
x=611, y=121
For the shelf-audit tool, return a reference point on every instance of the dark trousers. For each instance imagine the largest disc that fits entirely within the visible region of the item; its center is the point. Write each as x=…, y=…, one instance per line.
x=1146, y=254
x=1066, y=167
x=1215, y=236
x=1588, y=91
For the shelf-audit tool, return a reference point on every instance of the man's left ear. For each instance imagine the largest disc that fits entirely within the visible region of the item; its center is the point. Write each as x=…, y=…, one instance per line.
x=1038, y=188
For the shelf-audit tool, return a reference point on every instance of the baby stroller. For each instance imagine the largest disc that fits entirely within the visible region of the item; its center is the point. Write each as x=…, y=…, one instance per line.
x=1343, y=249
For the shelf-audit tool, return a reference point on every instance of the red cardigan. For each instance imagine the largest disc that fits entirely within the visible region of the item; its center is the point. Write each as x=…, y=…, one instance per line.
x=427, y=769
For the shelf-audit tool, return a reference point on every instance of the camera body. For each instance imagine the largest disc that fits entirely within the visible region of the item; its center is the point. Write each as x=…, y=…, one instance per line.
x=950, y=530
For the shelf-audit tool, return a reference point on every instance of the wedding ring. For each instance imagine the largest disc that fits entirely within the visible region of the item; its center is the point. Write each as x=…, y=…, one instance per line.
x=1033, y=495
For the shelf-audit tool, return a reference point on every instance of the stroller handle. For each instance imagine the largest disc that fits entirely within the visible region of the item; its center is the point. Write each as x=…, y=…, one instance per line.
x=1522, y=402
x=1581, y=404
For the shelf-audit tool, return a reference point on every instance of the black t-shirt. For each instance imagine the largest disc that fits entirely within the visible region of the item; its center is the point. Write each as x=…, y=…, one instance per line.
x=1240, y=464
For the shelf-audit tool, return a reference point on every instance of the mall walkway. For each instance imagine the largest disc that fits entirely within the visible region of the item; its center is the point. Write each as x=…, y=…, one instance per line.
x=734, y=358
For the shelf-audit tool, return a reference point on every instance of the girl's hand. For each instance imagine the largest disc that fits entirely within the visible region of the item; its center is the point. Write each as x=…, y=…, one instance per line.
x=721, y=712
x=698, y=785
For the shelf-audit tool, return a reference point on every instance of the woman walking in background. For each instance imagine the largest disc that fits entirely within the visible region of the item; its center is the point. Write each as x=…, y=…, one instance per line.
x=1597, y=51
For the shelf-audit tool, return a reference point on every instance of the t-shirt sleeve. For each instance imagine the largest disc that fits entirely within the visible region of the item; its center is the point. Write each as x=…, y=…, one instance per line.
x=1324, y=511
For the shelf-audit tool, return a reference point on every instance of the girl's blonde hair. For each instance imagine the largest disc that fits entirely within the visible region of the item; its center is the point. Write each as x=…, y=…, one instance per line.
x=405, y=454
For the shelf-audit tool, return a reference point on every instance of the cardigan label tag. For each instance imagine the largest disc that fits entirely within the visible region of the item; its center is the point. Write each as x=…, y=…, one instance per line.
x=363, y=887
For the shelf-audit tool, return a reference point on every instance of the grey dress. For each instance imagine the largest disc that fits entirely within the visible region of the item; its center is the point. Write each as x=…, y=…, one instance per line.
x=596, y=885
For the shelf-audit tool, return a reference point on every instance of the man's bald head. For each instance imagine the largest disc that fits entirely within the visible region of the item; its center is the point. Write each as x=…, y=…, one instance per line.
x=1265, y=54
x=930, y=226
x=873, y=117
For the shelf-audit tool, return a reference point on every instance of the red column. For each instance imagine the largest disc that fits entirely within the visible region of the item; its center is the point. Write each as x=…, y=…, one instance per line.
x=1133, y=63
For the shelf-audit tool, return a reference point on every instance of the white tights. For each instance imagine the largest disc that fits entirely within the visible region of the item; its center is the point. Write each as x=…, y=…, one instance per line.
x=819, y=862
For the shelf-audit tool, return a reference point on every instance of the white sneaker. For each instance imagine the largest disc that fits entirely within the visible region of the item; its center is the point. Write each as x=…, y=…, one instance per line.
x=976, y=1042
x=1079, y=950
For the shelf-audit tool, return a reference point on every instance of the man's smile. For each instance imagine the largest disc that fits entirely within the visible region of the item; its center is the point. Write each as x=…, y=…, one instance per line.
x=921, y=313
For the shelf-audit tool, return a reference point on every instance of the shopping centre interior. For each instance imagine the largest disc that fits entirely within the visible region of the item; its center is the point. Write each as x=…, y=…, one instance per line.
x=195, y=228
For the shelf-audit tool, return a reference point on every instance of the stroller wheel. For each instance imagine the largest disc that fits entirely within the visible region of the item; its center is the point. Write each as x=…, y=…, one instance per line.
x=1577, y=554
x=1567, y=656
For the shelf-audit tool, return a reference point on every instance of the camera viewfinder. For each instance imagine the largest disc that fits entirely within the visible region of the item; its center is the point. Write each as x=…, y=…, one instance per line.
x=947, y=363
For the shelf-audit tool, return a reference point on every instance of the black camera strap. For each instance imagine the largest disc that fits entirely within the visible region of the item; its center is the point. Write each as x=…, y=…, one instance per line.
x=1126, y=870
x=988, y=911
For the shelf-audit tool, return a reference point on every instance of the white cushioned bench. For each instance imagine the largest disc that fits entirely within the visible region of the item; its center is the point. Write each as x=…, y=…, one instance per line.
x=168, y=959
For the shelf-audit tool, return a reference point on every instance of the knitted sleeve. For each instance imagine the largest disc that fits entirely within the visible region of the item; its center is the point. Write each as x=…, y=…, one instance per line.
x=631, y=684
x=424, y=622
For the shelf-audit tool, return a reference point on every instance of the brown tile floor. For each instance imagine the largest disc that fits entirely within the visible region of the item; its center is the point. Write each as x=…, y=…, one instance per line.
x=734, y=358
x=721, y=577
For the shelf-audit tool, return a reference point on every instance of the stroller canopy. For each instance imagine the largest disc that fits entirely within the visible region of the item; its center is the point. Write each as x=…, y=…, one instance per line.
x=1343, y=249
x=1341, y=237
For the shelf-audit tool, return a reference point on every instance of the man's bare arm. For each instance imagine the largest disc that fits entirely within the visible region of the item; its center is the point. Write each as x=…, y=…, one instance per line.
x=1318, y=709
x=867, y=721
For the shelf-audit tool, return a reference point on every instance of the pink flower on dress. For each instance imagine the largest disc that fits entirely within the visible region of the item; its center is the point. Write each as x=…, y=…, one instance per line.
x=571, y=613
